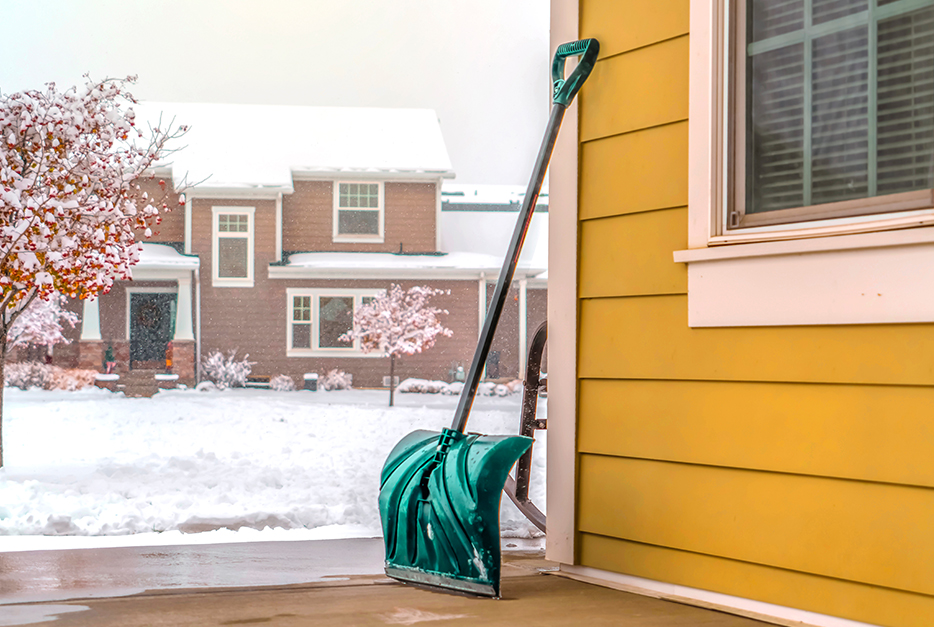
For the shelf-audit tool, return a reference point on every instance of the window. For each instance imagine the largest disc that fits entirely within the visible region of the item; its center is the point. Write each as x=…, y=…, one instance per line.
x=810, y=162
x=834, y=109
x=319, y=317
x=233, y=246
x=358, y=212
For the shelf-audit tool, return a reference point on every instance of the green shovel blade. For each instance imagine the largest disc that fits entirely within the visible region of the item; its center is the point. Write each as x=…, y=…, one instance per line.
x=444, y=531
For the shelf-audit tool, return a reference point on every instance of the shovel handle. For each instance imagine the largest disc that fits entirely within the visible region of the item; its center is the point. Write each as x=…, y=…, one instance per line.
x=566, y=88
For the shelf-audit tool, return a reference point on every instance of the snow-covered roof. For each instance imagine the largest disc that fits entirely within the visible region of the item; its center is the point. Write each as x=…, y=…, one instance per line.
x=474, y=243
x=262, y=146
x=460, y=196
x=163, y=257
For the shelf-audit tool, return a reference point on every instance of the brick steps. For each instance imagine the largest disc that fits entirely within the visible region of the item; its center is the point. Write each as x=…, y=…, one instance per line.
x=139, y=383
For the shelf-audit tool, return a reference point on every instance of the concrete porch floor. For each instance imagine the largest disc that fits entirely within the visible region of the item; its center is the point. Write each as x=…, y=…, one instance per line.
x=533, y=594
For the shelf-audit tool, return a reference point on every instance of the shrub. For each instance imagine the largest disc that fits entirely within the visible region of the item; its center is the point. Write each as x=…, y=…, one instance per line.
x=282, y=383
x=33, y=374
x=227, y=372
x=336, y=380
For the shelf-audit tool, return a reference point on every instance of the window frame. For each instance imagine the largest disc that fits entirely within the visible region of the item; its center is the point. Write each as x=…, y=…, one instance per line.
x=735, y=219
x=315, y=293
x=217, y=235
x=358, y=238
x=741, y=278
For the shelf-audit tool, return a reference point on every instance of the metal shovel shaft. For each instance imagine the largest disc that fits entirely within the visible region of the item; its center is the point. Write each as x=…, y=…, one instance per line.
x=509, y=269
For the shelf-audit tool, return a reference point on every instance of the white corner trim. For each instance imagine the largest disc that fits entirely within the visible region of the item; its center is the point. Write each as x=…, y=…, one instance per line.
x=757, y=610
x=438, y=213
x=187, y=224
x=562, y=313
x=279, y=227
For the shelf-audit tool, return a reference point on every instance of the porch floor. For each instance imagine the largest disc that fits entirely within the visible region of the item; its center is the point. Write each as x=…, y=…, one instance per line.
x=531, y=595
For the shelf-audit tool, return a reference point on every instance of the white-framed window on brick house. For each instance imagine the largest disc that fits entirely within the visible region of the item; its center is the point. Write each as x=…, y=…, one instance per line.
x=359, y=211
x=811, y=162
x=319, y=317
x=232, y=246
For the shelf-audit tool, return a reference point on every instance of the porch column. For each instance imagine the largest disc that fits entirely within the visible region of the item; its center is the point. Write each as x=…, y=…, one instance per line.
x=91, y=320
x=523, y=326
x=183, y=326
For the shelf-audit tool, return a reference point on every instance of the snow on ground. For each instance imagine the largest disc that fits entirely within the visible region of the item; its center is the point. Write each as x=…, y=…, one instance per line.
x=93, y=463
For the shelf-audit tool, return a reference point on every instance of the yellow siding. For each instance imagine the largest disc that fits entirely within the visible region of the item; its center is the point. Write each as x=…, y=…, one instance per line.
x=867, y=432
x=872, y=604
x=648, y=168
x=631, y=254
x=790, y=465
x=622, y=25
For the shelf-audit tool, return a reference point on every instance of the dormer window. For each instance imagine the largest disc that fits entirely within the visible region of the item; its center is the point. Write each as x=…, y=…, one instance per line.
x=358, y=212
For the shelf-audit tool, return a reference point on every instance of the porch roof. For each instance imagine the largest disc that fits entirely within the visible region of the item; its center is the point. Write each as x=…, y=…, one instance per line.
x=164, y=257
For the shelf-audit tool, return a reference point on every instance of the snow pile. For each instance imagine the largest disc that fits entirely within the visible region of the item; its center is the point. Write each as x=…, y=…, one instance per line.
x=96, y=463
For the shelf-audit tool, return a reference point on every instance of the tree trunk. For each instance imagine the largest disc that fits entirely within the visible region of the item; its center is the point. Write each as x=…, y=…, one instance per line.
x=3, y=349
x=392, y=378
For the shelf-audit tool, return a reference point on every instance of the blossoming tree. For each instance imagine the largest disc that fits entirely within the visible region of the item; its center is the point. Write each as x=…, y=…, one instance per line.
x=70, y=205
x=40, y=324
x=398, y=322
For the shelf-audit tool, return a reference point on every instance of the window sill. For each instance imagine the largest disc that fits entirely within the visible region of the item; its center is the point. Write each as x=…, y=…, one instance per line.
x=232, y=282
x=868, y=278
x=358, y=239
x=303, y=352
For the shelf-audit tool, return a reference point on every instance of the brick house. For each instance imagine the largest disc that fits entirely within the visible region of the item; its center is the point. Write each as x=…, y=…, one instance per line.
x=293, y=224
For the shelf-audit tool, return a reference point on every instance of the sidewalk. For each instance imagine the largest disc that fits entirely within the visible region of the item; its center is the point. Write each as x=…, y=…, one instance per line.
x=533, y=594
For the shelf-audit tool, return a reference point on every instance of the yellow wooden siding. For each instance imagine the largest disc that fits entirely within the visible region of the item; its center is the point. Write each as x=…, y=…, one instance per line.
x=866, y=603
x=867, y=432
x=647, y=169
x=643, y=88
x=858, y=531
x=648, y=338
x=785, y=464
x=622, y=25
x=631, y=254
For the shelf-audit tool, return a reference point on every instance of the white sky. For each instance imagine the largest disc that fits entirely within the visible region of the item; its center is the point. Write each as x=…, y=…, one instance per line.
x=481, y=64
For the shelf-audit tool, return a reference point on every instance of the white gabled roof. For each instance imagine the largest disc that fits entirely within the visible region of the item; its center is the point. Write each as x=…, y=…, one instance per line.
x=261, y=146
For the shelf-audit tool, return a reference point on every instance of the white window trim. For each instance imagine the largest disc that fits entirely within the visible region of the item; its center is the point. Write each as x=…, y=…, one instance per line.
x=789, y=274
x=316, y=294
x=216, y=280
x=357, y=238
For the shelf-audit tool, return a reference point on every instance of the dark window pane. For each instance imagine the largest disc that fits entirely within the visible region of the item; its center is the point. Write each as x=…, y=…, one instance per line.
x=357, y=222
x=775, y=131
x=829, y=10
x=840, y=116
x=301, y=308
x=905, y=106
x=335, y=317
x=232, y=257
x=769, y=18
x=301, y=336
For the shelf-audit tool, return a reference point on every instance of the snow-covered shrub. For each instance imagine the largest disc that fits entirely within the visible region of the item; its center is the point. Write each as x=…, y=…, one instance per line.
x=227, y=372
x=32, y=374
x=282, y=383
x=28, y=374
x=500, y=390
x=72, y=379
x=336, y=380
x=453, y=389
x=420, y=386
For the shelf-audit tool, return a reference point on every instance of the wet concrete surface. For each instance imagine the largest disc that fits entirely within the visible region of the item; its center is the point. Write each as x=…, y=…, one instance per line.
x=31, y=576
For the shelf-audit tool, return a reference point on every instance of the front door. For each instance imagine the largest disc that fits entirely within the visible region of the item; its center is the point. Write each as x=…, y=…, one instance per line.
x=152, y=322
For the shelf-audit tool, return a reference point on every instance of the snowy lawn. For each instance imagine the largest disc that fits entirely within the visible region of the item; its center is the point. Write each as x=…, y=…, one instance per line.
x=96, y=463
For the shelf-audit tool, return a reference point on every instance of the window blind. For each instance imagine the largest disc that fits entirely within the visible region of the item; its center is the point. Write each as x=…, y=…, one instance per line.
x=840, y=100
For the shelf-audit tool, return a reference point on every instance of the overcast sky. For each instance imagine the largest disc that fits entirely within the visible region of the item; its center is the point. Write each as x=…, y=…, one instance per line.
x=481, y=64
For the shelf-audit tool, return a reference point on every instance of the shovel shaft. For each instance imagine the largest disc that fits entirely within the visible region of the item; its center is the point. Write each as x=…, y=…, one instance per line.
x=509, y=269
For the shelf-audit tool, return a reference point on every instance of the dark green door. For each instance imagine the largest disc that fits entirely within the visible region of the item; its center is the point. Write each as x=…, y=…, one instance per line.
x=152, y=322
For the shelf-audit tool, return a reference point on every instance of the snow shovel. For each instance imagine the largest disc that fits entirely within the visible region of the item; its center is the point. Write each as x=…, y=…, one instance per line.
x=440, y=492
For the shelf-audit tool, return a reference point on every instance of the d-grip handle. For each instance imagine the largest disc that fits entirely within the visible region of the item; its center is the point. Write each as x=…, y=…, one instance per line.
x=566, y=88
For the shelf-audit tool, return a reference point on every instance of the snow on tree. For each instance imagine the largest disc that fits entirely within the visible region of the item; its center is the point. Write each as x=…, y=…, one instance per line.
x=398, y=322
x=69, y=199
x=40, y=324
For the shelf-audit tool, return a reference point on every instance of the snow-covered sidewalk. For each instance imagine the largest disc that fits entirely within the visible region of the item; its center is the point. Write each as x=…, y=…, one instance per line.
x=92, y=463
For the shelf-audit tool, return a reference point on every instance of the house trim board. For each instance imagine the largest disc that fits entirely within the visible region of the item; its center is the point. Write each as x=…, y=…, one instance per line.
x=279, y=226
x=828, y=259
x=299, y=272
x=756, y=610
x=562, y=312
